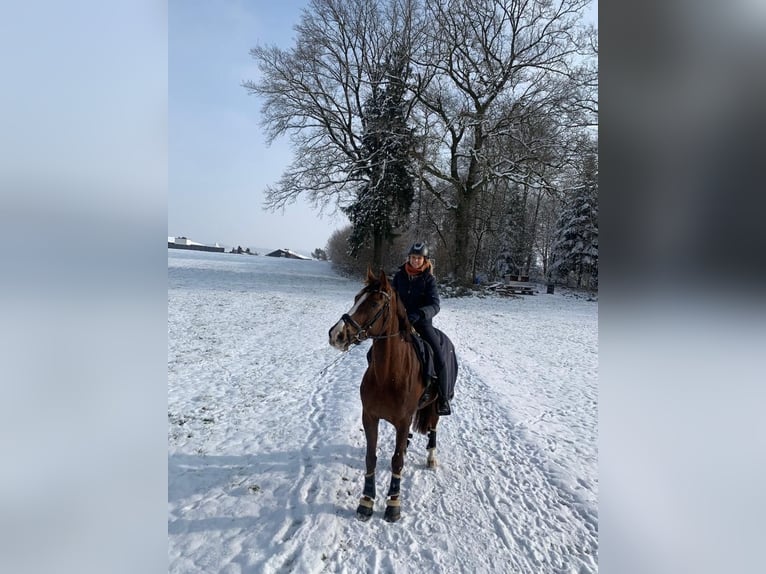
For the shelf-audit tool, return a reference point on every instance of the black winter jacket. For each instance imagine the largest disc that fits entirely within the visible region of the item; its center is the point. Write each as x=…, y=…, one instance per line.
x=418, y=293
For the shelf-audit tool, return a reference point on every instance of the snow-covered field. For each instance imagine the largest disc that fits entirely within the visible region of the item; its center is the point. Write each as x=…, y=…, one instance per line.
x=266, y=449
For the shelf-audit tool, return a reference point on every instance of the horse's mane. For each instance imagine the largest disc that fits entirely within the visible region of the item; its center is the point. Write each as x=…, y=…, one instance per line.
x=401, y=313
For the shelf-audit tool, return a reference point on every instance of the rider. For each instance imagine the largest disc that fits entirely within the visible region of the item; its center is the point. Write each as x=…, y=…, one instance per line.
x=416, y=286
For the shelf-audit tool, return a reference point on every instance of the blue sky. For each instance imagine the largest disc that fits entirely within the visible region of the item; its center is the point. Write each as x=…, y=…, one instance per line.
x=218, y=162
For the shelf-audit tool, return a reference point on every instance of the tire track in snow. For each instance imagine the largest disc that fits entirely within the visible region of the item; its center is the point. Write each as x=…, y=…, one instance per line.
x=312, y=488
x=492, y=494
x=271, y=484
x=491, y=501
x=298, y=525
x=478, y=501
x=535, y=523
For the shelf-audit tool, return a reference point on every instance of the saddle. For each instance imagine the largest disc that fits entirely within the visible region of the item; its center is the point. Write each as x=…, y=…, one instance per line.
x=425, y=355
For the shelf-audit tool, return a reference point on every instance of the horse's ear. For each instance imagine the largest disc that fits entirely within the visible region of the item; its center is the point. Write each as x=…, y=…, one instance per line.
x=370, y=275
x=383, y=279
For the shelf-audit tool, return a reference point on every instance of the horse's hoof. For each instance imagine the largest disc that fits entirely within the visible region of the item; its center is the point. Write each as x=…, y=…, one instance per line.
x=363, y=513
x=393, y=513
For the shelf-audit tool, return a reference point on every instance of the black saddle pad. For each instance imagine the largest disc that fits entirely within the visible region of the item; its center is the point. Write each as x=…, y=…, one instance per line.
x=425, y=356
x=450, y=361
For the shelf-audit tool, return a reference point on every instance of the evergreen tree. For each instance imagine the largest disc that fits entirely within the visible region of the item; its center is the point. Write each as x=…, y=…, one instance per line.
x=516, y=236
x=320, y=254
x=575, y=250
x=383, y=202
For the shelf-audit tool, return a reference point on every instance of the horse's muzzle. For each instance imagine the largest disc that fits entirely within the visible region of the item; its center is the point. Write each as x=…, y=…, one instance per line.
x=339, y=336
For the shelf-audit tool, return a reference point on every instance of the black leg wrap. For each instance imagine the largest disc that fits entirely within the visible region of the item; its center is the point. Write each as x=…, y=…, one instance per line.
x=369, y=486
x=431, y=439
x=393, y=490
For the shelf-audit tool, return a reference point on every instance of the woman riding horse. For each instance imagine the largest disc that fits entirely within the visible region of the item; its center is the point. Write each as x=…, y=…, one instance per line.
x=416, y=286
x=392, y=384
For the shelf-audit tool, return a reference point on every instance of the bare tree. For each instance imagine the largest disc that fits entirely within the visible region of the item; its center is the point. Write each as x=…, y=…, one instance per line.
x=546, y=232
x=492, y=94
x=483, y=56
x=319, y=92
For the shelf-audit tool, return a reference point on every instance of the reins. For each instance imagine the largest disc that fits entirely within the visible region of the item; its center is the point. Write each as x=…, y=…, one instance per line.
x=338, y=358
x=376, y=337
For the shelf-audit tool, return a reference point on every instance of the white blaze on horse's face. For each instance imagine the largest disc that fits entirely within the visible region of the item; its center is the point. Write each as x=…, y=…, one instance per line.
x=340, y=337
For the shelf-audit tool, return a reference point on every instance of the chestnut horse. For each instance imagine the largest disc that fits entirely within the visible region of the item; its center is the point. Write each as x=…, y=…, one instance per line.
x=391, y=386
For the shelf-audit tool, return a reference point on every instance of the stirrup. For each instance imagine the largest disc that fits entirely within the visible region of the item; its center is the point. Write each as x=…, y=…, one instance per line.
x=425, y=399
x=443, y=408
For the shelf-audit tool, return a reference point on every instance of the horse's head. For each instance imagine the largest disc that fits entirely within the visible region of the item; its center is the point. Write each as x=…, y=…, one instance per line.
x=369, y=317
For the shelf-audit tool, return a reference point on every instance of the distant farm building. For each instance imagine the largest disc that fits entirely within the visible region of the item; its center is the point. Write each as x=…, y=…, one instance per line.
x=238, y=249
x=286, y=253
x=185, y=243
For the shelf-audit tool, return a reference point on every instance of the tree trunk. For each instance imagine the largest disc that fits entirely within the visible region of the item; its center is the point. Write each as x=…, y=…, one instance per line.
x=377, y=250
x=476, y=256
x=465, y=200
x=462, y=237
x=533, y=234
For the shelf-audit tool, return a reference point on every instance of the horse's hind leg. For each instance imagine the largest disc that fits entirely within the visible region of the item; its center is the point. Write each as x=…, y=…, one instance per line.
x=364, y=510
x=431, y=447
x=393, y=506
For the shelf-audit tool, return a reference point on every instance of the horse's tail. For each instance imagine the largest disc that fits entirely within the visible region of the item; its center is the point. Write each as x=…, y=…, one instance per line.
x=425, y=418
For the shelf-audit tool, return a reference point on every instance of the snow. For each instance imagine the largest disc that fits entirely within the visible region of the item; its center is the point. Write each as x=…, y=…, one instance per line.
x=266, y=449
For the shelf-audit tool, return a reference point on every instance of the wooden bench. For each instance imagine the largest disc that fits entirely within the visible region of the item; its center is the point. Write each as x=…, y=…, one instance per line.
x=521, y=287
x=513, y=288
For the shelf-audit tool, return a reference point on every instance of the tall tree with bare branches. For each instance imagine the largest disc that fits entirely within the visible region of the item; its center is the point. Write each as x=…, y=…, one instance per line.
x=489, y=95
x=329, y=94
x=489, y=63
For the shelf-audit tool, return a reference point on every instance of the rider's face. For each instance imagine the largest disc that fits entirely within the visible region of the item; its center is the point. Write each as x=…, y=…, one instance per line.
x=417, y=261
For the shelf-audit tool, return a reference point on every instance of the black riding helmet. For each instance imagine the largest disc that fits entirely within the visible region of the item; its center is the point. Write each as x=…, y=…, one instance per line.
x=419, y=249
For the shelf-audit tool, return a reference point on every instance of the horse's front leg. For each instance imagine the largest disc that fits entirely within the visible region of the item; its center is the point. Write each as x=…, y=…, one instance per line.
x=364, y=510
x=393, y=506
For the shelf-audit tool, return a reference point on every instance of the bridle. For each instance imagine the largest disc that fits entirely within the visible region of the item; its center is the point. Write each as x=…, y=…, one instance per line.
x=361, y=332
